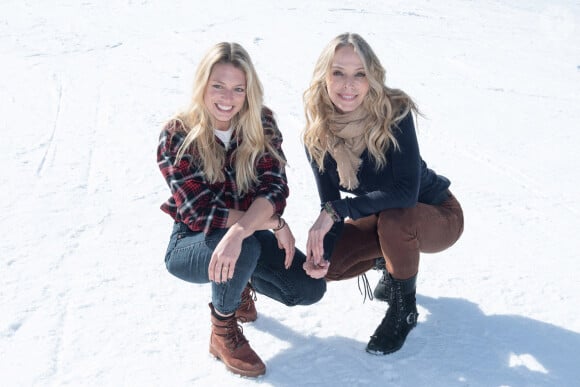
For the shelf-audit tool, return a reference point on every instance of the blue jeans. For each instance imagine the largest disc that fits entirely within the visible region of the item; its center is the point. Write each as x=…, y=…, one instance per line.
x=260, y=261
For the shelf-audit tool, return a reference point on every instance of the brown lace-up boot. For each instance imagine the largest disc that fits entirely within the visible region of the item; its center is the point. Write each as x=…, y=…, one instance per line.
x=227, y=343
x=247, y=311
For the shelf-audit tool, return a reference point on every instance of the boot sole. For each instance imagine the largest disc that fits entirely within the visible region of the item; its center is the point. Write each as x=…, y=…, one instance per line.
x=245, y=320
x=237, y=371
x=381, y=353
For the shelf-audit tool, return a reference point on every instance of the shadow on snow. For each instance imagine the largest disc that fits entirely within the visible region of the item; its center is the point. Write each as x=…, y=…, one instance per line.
x=454, y=344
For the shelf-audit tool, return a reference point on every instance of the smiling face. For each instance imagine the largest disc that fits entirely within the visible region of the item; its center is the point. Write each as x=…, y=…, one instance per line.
x=225, y=94
x=347, y=83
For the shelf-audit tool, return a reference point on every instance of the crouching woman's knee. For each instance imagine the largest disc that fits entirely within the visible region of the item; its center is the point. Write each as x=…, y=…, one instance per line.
x=311, y=293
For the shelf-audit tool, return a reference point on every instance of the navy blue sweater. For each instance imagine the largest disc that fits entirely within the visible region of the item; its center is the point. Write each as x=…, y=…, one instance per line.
x=403, y=182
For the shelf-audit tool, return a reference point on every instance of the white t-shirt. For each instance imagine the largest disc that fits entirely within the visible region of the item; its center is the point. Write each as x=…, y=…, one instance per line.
x=224, y=135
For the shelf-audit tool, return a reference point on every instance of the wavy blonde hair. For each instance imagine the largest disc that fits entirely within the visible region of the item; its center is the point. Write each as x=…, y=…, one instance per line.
x=196, y=120
x=385, y=105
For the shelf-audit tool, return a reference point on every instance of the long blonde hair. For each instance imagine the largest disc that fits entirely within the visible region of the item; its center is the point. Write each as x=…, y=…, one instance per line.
x=385, y=105
x=247, y=123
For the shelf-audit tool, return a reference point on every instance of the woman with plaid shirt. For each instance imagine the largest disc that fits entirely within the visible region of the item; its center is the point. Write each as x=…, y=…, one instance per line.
x=223, y=162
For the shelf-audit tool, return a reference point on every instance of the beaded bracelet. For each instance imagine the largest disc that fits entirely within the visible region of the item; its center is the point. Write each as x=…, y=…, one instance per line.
x=330, y=210
x=281, y=224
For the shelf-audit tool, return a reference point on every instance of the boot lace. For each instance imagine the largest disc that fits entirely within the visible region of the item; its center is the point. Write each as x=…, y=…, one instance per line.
x=366, y=286
x=234, y=334
x=248, y=295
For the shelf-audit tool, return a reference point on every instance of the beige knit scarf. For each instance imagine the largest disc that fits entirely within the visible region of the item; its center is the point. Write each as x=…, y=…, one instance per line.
x=347, y=143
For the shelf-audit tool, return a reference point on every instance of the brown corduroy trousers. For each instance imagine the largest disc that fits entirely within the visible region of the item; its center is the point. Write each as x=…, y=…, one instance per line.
x=398, y=235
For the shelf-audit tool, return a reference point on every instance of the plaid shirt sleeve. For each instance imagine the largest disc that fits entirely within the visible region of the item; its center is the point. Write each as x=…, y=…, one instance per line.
x=273, y=184
x=192, y=200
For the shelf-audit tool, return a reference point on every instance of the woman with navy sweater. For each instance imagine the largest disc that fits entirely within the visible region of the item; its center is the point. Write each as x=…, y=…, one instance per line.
x=360, y=139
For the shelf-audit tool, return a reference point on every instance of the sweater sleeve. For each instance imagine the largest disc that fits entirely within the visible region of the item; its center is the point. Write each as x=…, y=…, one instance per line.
x=399, y=181
x=327, y=191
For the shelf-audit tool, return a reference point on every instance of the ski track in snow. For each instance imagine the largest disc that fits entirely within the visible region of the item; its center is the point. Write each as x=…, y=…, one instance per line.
x=50, y=145
x=84, y=293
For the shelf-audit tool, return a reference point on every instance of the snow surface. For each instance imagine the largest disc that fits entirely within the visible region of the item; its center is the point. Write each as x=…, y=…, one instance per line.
x=85, y=298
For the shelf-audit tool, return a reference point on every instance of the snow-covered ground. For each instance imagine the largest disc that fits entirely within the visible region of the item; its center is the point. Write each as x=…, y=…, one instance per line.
x=85, y=88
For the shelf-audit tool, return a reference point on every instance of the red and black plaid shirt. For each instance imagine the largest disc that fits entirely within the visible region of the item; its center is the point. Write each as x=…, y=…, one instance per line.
x=203, y=206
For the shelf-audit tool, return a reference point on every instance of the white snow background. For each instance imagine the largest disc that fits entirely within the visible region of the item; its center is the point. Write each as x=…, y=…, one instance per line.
x=85, y=299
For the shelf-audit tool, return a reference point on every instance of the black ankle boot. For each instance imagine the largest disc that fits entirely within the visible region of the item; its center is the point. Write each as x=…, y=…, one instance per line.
x=401, y=317
x=382, y=291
